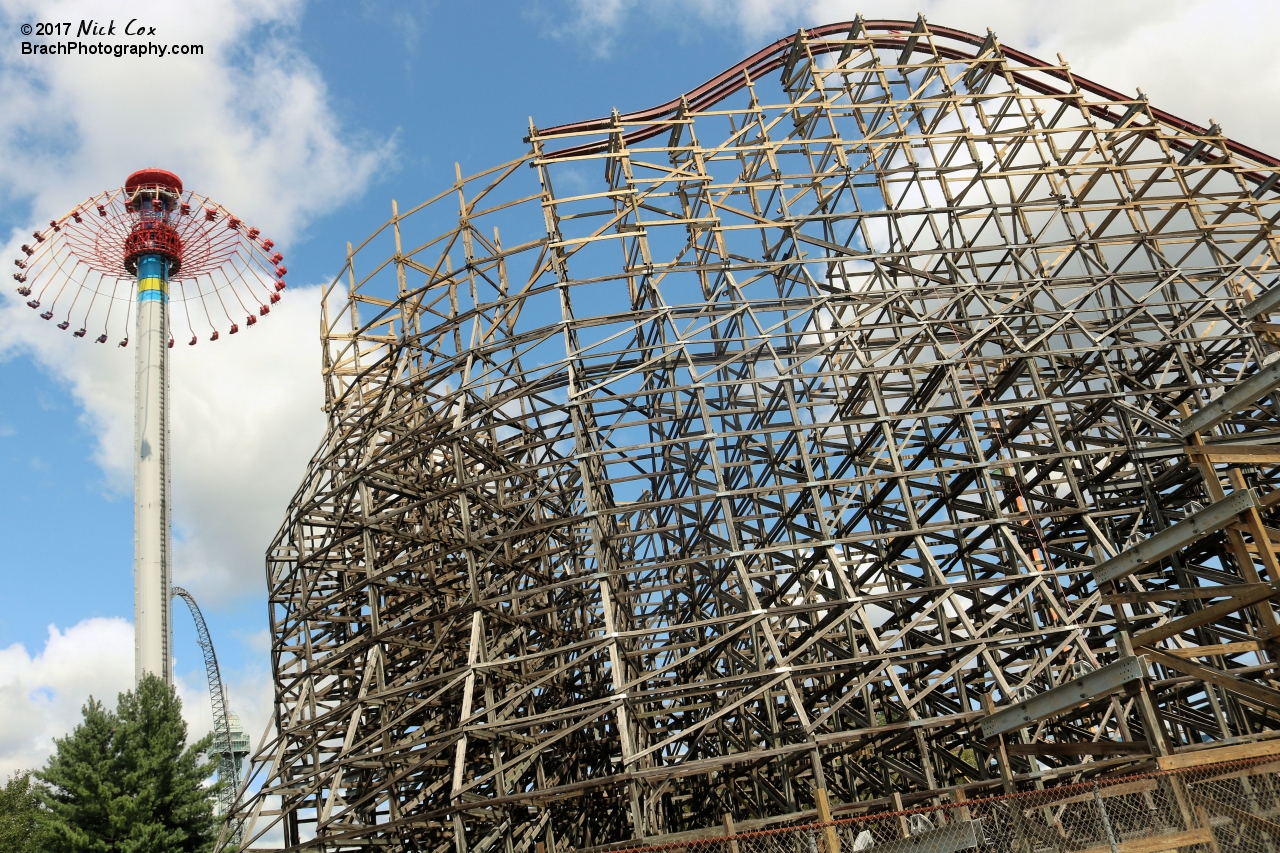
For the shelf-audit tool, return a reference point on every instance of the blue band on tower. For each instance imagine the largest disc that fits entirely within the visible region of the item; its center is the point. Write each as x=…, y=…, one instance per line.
x=153, y=278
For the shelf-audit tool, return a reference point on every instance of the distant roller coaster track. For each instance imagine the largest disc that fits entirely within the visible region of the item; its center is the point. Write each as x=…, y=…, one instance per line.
x=228, y=773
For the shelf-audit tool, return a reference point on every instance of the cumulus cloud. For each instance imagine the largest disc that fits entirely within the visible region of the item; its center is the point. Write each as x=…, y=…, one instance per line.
x=1199, y=59
x=249, y=122
x=245, y=418
x=41, y=694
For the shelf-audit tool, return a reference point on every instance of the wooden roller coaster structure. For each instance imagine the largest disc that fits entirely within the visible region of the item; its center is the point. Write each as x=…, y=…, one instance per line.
x=893, y=417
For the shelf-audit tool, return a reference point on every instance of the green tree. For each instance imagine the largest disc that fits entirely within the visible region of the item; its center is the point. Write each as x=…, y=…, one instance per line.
x=20, y=829
x=125, y=781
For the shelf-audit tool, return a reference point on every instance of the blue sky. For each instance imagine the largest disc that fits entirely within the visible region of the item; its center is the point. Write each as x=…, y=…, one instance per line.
x=311, y=117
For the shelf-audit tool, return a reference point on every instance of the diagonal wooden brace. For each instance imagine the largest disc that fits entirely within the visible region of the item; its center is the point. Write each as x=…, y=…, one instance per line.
x=1212, y=613
x=1268, y=697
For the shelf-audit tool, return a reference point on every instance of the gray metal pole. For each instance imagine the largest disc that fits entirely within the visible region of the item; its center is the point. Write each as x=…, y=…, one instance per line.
x=150, y=473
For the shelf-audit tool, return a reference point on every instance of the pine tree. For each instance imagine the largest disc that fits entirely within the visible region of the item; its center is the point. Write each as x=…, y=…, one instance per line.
x=84, y=798
x=125, y=781
x=19, y=816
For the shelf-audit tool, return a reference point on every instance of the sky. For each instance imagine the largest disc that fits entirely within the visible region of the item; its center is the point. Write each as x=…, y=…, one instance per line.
x=307, y=119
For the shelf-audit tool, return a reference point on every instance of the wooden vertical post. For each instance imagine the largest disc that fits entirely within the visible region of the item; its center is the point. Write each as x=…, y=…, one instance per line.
x=959, y=797
x=824, y=816
x=997, y=745
x=904, y=828
x=1146, y=707
x=727, y=820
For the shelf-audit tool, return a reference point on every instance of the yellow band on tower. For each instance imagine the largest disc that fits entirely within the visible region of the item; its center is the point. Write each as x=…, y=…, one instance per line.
x=152, y=288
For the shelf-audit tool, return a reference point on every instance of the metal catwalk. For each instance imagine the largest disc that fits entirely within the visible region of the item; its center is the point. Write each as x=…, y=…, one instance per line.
x=886, y=418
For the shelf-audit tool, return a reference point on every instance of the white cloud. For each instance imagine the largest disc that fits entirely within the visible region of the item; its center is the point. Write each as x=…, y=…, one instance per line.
x=248, y=123
x=41, y=695
x=1198, y=59
x=245, y=419
x=599, y=19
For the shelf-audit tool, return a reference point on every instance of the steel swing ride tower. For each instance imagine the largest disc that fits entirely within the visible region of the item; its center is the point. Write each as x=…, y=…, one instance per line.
x=170, y=258
x=153, y=252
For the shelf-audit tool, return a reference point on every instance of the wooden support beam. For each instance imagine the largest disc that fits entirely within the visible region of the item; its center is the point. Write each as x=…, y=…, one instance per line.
x=1266, y=697
x=786, y=420
x=1106, y=747
x=1219, y=755
x=1193, y=594
x=1258, y=593
x=1160, y=843
x=1242, y=647
x=1240, y=454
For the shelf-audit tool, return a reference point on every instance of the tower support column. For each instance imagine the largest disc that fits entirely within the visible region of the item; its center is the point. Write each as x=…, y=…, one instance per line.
x=151, y=580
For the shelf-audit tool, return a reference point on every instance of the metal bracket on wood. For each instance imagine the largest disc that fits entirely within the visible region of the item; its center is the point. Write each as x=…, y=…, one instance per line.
x=1211, y=519
x=1258, y=593
x=1065, y=696
x=1240, y=396
x=1264, y=304
x=797, y=49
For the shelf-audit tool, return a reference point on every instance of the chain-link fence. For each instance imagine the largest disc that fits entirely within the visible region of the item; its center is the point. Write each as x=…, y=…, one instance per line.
x=1220, y=808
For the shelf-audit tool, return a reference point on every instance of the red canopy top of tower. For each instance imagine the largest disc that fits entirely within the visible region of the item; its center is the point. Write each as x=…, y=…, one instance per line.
x=152, y=178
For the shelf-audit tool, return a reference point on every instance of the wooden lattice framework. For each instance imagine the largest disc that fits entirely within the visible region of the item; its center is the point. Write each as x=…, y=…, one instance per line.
x=738, y=457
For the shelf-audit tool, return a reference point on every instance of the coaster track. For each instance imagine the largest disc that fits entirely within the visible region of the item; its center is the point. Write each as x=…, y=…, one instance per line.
x=228, y=773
